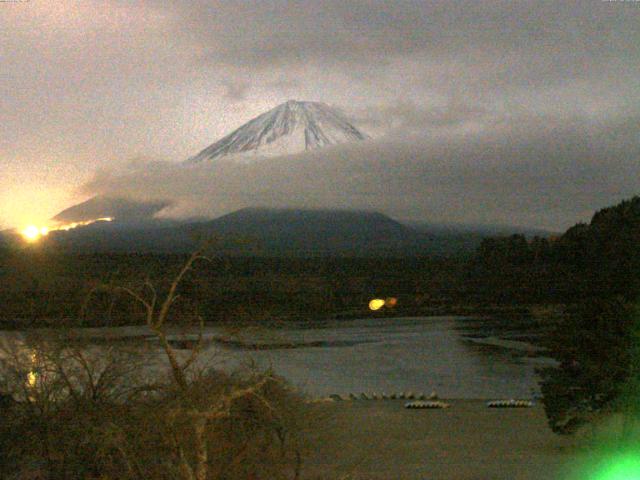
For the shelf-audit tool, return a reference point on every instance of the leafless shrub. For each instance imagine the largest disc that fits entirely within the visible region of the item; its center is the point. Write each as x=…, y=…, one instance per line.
x=83, y=411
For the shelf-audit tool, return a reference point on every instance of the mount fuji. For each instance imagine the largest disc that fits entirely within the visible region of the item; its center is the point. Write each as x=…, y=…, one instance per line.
x=291, y=127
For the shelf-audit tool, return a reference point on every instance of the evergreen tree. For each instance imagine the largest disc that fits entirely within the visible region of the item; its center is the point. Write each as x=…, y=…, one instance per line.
x=596, y=347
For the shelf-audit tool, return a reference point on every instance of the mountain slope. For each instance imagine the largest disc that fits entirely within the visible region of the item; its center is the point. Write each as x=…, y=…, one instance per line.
x=289, y=128
x=256, y=231
x=315, y=232
x=121, y=209
x=273, y=233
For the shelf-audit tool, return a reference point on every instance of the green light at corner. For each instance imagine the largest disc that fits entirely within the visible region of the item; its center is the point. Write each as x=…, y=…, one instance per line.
x=622, y=467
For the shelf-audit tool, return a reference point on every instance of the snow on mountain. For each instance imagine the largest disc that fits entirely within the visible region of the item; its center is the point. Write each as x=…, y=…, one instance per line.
x=289, y=128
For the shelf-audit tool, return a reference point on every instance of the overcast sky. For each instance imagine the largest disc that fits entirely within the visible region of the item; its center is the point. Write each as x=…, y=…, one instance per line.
x=523, y=113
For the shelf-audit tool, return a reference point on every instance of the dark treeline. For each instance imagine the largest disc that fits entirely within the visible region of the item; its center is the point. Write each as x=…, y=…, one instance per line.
x=593, y=271
x=39, y=287
x=596, y=260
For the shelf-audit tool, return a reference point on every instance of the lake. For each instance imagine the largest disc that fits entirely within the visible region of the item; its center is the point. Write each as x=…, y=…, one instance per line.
x=448, y=355
x=457, y=357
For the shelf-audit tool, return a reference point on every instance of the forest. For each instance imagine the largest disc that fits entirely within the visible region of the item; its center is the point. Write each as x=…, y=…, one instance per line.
x=595, y=260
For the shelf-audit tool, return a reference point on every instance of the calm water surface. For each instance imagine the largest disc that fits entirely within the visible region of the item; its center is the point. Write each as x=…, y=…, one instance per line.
x=391, y=355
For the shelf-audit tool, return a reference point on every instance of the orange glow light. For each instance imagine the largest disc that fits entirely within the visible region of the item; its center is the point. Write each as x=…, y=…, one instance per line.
x=33, y=234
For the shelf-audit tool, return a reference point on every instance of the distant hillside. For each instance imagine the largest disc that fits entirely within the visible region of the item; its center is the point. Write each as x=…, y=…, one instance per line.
x=114, y=237
x=271, y=232
x=464, y=239
x=103, y=206
x=480, y=230
x=318, y=232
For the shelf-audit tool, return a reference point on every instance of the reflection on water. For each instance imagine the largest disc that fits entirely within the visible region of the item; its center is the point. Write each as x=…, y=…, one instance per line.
x=32, y=377
x=387, y=355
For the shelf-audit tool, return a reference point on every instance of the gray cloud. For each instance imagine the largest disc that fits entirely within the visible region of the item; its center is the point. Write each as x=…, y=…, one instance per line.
x=91, y=83
x=549, y=173
x=410, y=117
x=493, y=43
x=236, y=90
x=257, y=31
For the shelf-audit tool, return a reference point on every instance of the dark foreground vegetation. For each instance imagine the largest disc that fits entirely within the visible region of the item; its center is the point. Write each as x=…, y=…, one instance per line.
x=70, y=411
x=593, y=271
x=88, y=418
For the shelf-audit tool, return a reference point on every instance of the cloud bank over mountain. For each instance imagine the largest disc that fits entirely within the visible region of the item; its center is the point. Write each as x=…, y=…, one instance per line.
x=545, y=172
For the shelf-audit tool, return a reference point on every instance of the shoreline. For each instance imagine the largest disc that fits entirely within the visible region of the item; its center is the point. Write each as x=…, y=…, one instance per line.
x=382, y=440
x=474, y=311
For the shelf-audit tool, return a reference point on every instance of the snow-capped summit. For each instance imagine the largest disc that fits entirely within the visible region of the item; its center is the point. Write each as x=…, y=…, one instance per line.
x=289, y=128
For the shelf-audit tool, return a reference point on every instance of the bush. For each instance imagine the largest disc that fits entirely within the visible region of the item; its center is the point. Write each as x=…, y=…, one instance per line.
x=77, y=422
x=596, y=347
x=88, y=412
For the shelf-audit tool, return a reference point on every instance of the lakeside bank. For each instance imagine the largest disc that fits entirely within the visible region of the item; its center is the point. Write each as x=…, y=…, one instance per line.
x=382, y=440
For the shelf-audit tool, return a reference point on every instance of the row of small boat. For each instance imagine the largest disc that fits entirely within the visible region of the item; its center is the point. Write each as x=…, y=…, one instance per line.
x=511, y=403
x=424, y=401
x=384, y=396
x=419, y=404
x=493, y=404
